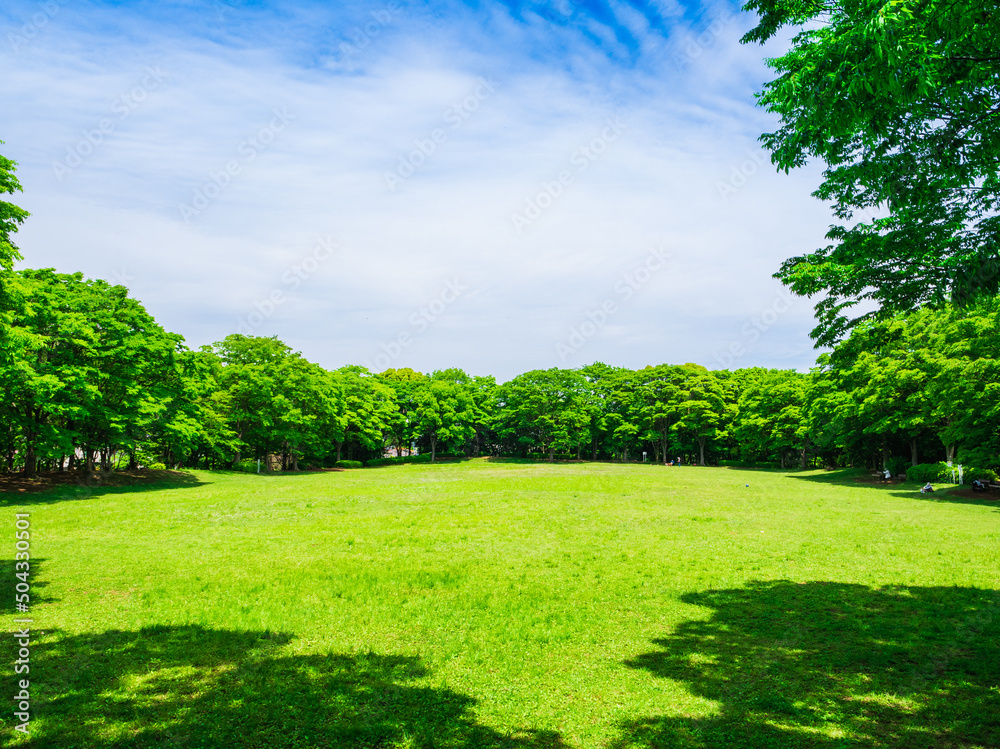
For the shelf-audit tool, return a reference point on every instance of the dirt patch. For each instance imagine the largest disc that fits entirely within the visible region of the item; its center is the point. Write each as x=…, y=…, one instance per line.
x=14, y=483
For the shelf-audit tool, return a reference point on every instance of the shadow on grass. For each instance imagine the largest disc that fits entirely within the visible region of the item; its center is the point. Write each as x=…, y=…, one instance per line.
x=191, y=686
x=832, y=665
x=905, y=489
x=64, y=486
x=9, y=583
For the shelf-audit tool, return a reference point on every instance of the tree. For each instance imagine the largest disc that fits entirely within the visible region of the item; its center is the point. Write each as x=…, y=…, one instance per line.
x=11, y=217
x=771, y=417
x=89, y=364
x=547, y=408
x=658, y=402
x=369, y=409
x=899, y=99
x=404, y=382
x=702, y=406
x=445, y=412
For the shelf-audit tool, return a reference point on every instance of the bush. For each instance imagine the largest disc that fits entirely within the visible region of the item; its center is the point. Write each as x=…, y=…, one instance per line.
x=247, y=465
x=898, y=465
x=349, y=464
x=156, y=467
x=747, y=463
x=422, y=458
x=941, y=473
x=398, y=461
x=924, y=472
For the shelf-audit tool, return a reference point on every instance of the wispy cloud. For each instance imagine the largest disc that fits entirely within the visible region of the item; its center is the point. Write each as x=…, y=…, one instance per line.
x=562, y=68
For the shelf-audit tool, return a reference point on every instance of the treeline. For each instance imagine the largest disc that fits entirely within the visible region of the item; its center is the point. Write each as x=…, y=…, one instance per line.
x=90, y=380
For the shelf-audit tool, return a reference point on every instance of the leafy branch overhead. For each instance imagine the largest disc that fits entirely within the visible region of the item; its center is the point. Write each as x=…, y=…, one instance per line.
x=901, y=101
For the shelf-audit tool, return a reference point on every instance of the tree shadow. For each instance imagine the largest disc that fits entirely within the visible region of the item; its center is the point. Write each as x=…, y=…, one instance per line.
x=9, y=583
x=832, y=665
x=16, y=491
x=191, y=686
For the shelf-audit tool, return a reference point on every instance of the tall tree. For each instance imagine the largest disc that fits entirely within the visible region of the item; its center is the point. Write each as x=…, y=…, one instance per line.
x=899, y=99
x=547, y=408
x=11, y=216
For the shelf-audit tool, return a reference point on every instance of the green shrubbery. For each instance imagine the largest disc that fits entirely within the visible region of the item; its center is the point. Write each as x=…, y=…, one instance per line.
x=422, y=458
x=748, y=464
x=247, y=465
x=349, y=464
x=941, y=473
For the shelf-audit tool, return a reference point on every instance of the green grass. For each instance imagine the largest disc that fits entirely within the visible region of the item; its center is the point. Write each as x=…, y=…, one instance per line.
x=493, y=604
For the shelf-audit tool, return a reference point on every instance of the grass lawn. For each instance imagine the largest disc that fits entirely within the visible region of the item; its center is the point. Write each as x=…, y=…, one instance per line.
x=496, y=604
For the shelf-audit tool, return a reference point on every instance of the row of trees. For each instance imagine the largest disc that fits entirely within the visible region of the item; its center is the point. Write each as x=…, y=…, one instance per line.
x=90, y=378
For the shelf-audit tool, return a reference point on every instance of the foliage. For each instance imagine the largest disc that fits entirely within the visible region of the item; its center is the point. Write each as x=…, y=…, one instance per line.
x=898, y=99
x=349, y=464
x=11, y=217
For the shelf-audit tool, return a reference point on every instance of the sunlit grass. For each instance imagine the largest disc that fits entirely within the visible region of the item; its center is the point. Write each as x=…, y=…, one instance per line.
x=522, y=605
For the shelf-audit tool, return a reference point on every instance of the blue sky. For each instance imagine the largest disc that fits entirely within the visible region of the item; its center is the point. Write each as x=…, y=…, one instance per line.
x=499, y=186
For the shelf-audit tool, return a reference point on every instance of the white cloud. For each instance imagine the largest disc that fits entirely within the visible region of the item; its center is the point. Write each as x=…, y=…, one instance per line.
x=324, y=173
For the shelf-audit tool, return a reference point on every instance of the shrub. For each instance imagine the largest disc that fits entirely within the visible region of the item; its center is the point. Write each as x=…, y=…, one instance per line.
x=398, y=461
x=247, y=465
x=941, y=473
x=156, y=467
x=349, y=464
x=898, y=465
x=422, y=458
x=924, y=472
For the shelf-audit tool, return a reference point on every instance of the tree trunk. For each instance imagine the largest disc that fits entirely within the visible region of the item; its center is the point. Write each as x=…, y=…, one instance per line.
x=433, y=447
x=295, y=459
x=885, y=452
x=552, y=453
x=913, y=451
x=30, y=460
x=802, y=459
x=578, y=451
x=131, y=460
x=595, y=449
x=949, y=452
x=701, y=449
x=340, y=446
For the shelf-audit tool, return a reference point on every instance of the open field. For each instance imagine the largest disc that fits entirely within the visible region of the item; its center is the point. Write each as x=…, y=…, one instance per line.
x=491, y=604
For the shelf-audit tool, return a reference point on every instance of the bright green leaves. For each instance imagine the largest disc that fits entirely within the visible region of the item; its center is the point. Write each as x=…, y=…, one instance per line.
x=899, y=100
x=11, y=216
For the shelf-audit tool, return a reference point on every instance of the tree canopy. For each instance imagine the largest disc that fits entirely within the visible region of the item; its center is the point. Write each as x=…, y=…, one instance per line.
x=899, y=101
